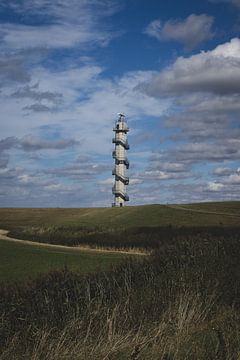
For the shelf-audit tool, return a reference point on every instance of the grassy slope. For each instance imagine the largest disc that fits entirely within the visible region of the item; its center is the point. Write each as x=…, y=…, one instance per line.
x=17, y=261
x=232, y=207
x=20, y=261
x=131, y=216
x=182, y=303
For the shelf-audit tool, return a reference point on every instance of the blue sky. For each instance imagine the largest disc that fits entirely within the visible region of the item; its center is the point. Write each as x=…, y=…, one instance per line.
x=68, y=67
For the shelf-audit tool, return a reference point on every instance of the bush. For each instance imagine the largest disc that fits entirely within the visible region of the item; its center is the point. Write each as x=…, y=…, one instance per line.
x=182, y=302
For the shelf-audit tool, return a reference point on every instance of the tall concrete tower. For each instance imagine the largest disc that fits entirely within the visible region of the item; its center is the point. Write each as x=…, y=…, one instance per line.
x=121, y=162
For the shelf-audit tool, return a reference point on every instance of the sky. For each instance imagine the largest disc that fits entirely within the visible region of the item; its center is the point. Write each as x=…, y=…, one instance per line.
x=67, y=68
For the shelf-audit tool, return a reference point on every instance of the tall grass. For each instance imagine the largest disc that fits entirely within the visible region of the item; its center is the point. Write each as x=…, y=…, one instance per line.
x=183, y=302
x=143, y=237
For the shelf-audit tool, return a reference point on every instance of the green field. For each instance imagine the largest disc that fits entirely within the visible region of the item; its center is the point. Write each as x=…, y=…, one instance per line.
x=181, y=302
x=130, y=216
x=21, y=262
x=140, y=226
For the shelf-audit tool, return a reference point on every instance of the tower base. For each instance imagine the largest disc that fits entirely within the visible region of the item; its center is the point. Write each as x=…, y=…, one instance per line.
x=119, y=202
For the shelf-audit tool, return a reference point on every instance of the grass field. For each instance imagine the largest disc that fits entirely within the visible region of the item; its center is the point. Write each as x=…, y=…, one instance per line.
x=141, y=226
x=130, y=216
x=22, y=262
x=231, y=207
x=130, y=227
x=181, y=302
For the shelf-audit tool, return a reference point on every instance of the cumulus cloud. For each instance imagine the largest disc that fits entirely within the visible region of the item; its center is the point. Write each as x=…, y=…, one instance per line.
x=4, y=159
x=216, y=72
x=72, y=24
x=214, y=186
x=171, y=167
x=82, y=101
x=13, y=70
x=222, y=171
x=202, y=151
x=199, y=126
x=60, y=188
x=234, y=179
x=79, y=171
x=7, y=143
x=155, y=174
x=191, y=31
x=39, y=108
x=32, y=92
x=229, y=183
x=212, y=104
x=32, y=143
x=7, y=174
x=106, y=182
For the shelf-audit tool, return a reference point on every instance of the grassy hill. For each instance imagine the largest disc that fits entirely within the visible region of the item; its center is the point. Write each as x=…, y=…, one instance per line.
x=181, y=302
x=130, y=216
x=133, y=226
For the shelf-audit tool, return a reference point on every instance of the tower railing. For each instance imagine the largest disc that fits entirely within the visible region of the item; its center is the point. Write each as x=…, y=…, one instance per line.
x=120, y=160
x=124, y=179
x=119, y=193
x=117, y=129
x=121, y=142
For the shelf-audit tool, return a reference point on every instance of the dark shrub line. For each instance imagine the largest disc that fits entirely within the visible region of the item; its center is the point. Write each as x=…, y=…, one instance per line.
x=140, y=237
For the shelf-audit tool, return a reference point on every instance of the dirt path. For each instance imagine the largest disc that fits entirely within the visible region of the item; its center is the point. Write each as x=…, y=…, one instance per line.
x=178, y=207
x=4, y=236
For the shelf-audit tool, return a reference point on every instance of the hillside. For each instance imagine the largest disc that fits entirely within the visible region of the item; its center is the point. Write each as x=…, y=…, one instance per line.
x=212, y=214
x=181, y=302
x=148, y=226
x=140, y=227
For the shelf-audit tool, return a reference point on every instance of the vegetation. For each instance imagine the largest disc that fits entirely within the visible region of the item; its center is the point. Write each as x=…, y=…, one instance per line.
x=140, y=226
x=179, y=303
x=128, y=217
x=20, y=261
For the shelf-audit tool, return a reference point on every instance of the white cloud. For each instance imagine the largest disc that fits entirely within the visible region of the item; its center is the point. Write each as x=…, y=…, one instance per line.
x=234, y=179
x=26, y=178
x=60, y=9
x=89, y=103
x=50, y=36
x=108, y=182
x=216, y=71
x=215, y=104
x=214, y=186
x=59, y=188
x=222, y=171
x=191, y=32
x=66, y=24
x=32, y=143
x=157, y=175
x=75, y=104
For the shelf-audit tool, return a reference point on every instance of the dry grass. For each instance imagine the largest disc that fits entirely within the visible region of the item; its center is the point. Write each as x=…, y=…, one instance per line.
x=185, y=331
x=180, y=303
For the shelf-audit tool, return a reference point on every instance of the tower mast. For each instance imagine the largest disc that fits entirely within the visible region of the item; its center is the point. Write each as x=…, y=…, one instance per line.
x=121, y=162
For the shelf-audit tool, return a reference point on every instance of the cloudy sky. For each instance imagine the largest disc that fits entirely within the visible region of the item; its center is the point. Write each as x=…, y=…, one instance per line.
x=68, y=67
